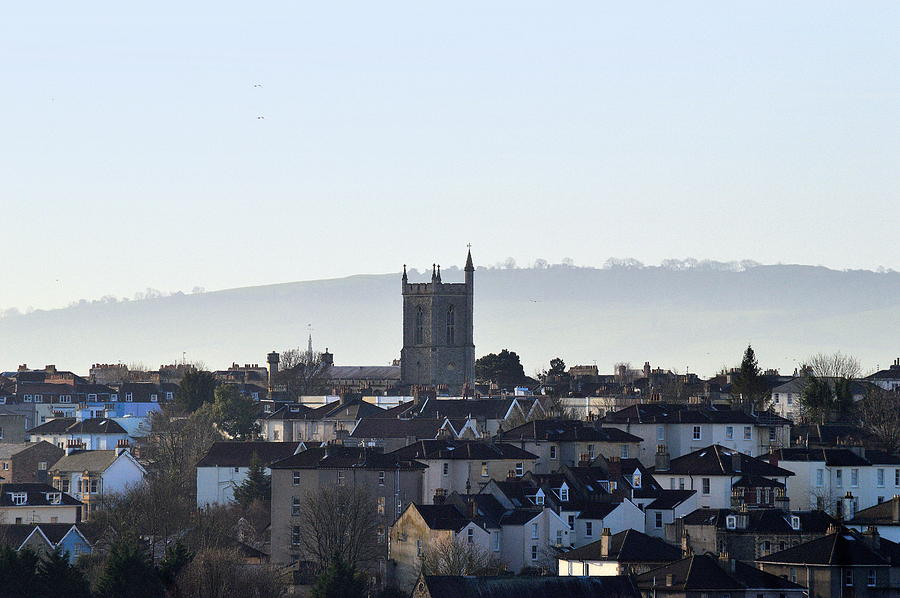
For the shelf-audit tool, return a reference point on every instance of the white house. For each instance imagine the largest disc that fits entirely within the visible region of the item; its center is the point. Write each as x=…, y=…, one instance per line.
x=226, y=464
x=625, y=553
x=88, y=475
x=884, y=517
x=682, y=429
x=824, y=476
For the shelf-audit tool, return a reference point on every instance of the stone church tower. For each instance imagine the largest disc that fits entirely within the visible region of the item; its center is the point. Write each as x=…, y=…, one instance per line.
x=438, y=339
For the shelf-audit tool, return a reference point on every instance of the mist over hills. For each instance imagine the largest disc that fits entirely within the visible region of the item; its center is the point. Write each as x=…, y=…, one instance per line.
x=696, y=318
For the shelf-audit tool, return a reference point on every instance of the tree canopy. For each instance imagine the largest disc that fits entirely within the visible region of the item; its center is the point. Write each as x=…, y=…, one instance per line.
x=129, y=574
x=748, y=386
x=195, y=389
x=235, y=413
x=503, y=369
x=339, y=580
x=257, y=485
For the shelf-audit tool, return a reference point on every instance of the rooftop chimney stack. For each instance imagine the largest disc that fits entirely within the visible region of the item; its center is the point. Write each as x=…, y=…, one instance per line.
x=605, y=538
x=663, y=459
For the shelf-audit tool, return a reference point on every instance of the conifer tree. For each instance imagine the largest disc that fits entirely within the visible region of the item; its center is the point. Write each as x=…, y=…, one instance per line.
x=129, y=574
x=748, y=385
x=177, y=558
x=57, y=577
x=339, y=580
x=257, y=486
x=17, y=573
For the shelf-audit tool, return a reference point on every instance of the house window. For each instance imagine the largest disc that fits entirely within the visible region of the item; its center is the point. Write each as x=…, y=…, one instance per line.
x=446, y=468
x=520, y=470
x=572, y=522
x=879, y=478
x=790, y=400
x=6, y=466
x=880, y=499
x=624, y=451
x=28, y=398
x=795, y=522
x=729, y=432
x=765, y=547
x=92, y=397
x=588, y=528
x=154, y=398
x=295, y=535
x=451, y=326
x=38, y=398
x=897, y=477
x=19, y=498
x=731, y=522
x=484, y=469
x=418, y=547
x=295, y=478
x=495, y=536
x=564, y=494
x=681, y=483
x=748, y=433
x=381, y=478
x=820, y=478
x=94, y=486
x=112, y=397
x=553, y=451
x=854, y=477
x=169, y=396
x=590, y=448
x=705, y=482
x=470, y=536
x=380, y=503
x=380, y=534
x=42, y=465
x=771, y=434
x=534, y=552
x=340, y=478
x=420, y=326
x=399, y=506
x=839, y=478
x=870, y=578
x=539, y=498
x=237, y=470
x=559, y=537
x=848, y=578
x=660, y=433
x=697, y=434
x=65, y=399
x=276, y=434
x=295, y=506
x=534, y=531
x=658, y=520
x=793, y=575
x=64, y=485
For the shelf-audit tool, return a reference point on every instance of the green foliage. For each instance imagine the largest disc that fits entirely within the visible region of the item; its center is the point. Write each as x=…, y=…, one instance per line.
x=57, y=577
x=748, y=384
x=556, y=380
x=18, y=573
x=817, y=399
x=195, y=390
x=557, y=367
x=257, y=486
x=235, y=413
x=339, y=580
x=129, y=574
x=503, y=368
x=177, y=558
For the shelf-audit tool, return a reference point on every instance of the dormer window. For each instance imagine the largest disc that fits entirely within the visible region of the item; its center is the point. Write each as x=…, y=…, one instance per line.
x=169, y=396
x=19, y=498
x=539, y=497
x=564, y=493
x=38, y=398
x=636, y=479
x=129, y=397
x=54, y=498
x=731, y=522
x=113, y=397
x=65, y=398
x=92, y=397
x=154, y=398
x=28, y=398
x=795, y=523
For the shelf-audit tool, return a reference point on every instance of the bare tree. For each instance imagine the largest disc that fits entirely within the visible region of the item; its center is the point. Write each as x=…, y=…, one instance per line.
x=338, y=520
x=879, y=413
x=175, y=444
x=834, y=365
x=222, y=573
x=449, y=556
x=302, y=372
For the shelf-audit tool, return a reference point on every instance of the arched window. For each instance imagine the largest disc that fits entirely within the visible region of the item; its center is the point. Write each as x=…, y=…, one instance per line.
x=420, y=328
x=451, y=325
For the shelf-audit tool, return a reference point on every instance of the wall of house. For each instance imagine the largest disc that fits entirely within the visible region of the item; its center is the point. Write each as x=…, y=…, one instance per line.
x=590, y=568
x=828, y=582
x=803, y=490
x=123, y=473
x=408, y=538
x=463, y=471
x=12, y=428
x=30, y=465
x=40, y=514
x=215, y=485
x=719, y=496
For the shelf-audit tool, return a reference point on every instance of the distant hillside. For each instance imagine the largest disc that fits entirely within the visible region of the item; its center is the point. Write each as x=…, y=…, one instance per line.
x=696, y=318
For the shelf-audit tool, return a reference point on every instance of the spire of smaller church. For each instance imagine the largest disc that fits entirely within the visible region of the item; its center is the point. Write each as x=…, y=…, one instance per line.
x=469, y=266
x=439, y=273
x=404, y=273
x=433, y=272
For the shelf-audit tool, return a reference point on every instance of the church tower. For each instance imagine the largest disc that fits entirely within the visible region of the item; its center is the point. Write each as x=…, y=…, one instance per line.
x=438, y=336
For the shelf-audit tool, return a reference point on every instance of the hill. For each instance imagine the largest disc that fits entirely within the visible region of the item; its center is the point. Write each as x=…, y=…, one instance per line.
x=700, y=319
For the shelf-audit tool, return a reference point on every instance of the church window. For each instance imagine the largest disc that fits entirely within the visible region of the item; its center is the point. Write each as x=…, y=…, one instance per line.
x=420, y=328
x=451, y=325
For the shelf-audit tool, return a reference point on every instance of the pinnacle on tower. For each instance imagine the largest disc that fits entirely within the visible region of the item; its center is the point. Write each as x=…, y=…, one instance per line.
x=469, y=267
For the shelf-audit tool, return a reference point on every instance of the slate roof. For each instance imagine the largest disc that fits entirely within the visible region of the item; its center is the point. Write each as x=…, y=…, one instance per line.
x=239, y=454
x=703, y=573
x=597, y=510
x=558, y=430
x=669, y=499
x=14, y=534
x=346, y=457
x=829, y=434
x=880, y=514
x=530, y=587
x=718, y=460
x=53, y=426
x=519, y=516
x=85, y=461
x=444, y=516
x=448, y=449
x=629, y=546
x=7, y=450
x=673, y=413
x=382, y=427
x=841, y=549
x=476, y=408
x=36, y=495
x=96, y=425
x=831, y=456
x=354, y=409
x=892, y=373
x=769, y=521
x=362, y=372
x=294, y=411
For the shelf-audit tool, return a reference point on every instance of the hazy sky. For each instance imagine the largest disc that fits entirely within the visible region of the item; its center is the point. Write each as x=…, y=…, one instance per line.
x=223, y=144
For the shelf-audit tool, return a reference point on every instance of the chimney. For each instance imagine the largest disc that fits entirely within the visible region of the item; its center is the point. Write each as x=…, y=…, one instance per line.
x=686, y=545
x=895, y=509
x=440, y=495
x=669, y=579
x=121, y=446
x=605, y=538
x=662, y=458
x=473, y=507
x=773, y=458
x=726, y=561
x=74, y=446
x=872, y=538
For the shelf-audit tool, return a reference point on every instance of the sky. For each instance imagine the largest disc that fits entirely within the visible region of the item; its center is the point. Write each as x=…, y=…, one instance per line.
x=174, y=145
